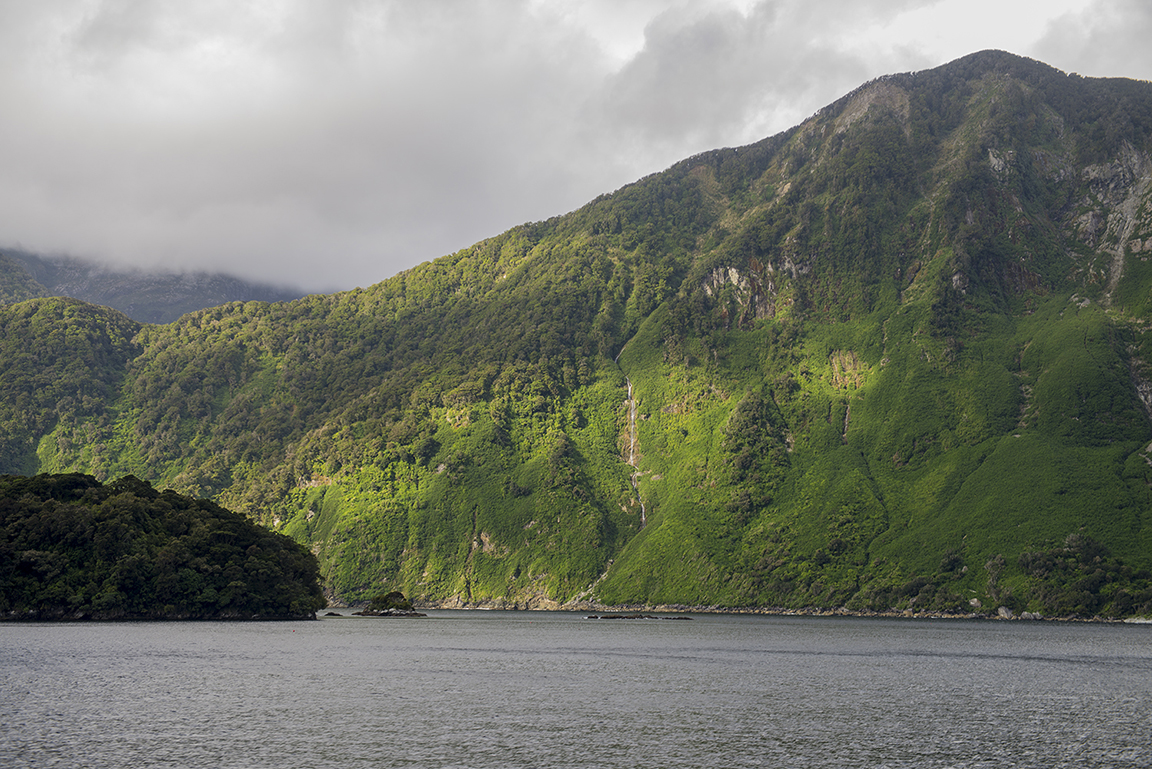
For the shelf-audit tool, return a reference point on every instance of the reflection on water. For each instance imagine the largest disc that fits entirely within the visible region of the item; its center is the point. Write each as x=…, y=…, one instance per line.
x=528, y=689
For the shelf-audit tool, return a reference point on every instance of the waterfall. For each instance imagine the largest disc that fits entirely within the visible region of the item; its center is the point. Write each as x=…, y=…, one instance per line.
x=632, y=441
x=631, y=425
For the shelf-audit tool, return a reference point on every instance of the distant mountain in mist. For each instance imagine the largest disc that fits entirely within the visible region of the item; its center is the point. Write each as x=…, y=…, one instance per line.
x=148, y=297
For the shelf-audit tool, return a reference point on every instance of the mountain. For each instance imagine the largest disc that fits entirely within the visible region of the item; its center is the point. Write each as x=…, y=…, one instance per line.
x=149, y=297
x=892, y=358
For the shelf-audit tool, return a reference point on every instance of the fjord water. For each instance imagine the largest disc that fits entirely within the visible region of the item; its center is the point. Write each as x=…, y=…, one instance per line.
x=533, y=689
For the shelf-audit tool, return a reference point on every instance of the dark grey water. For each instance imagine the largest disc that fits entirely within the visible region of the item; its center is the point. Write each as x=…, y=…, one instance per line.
x=526, y=689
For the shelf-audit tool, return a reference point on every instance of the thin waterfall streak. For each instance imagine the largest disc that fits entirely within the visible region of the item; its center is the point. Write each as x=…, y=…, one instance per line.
x=632, y=441
x=631, y=427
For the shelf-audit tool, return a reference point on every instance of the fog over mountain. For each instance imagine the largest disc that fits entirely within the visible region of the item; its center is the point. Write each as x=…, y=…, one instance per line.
x=145, y=296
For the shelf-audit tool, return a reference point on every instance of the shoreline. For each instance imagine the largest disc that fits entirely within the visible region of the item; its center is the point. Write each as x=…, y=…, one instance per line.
x=1000, y=614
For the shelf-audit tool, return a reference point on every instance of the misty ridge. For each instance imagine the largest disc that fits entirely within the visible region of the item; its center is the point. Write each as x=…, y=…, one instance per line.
x=143, y=295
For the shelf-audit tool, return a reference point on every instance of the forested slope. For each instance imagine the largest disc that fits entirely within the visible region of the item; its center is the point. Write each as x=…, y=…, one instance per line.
x=894, y=357
x=72, y=548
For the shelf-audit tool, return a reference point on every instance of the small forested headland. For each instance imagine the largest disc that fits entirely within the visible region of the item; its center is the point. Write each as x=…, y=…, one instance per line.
x=895, y=359
x=72, y=548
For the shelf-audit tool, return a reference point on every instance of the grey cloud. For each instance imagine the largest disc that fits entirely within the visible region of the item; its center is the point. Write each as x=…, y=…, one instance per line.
x=719, y=76
x=383, y=142
x=1108, y=39
x=334, y=144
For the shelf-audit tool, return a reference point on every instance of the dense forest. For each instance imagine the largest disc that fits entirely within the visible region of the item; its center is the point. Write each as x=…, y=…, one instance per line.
x=73, y=548
x=892, y=358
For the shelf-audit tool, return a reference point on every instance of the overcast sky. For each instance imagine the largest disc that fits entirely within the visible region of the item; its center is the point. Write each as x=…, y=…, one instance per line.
x=333, y=143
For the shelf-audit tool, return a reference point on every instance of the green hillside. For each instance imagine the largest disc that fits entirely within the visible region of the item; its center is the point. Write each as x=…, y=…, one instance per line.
x=891, y=358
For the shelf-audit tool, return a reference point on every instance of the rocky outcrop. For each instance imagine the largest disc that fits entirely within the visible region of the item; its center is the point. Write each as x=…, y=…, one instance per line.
x=388, y=613
x=631, y=616
x=1114, y=210
x=756, y=289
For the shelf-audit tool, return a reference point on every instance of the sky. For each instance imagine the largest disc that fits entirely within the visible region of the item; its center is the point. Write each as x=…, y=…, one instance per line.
x=329, y=144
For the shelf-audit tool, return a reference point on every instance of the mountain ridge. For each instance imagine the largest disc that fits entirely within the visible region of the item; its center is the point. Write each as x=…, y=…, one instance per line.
x=891, y=358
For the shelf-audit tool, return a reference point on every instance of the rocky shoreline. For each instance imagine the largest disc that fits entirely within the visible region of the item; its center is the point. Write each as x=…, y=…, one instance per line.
x=383, y=613
x=634, y=616
x=1002, y=613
